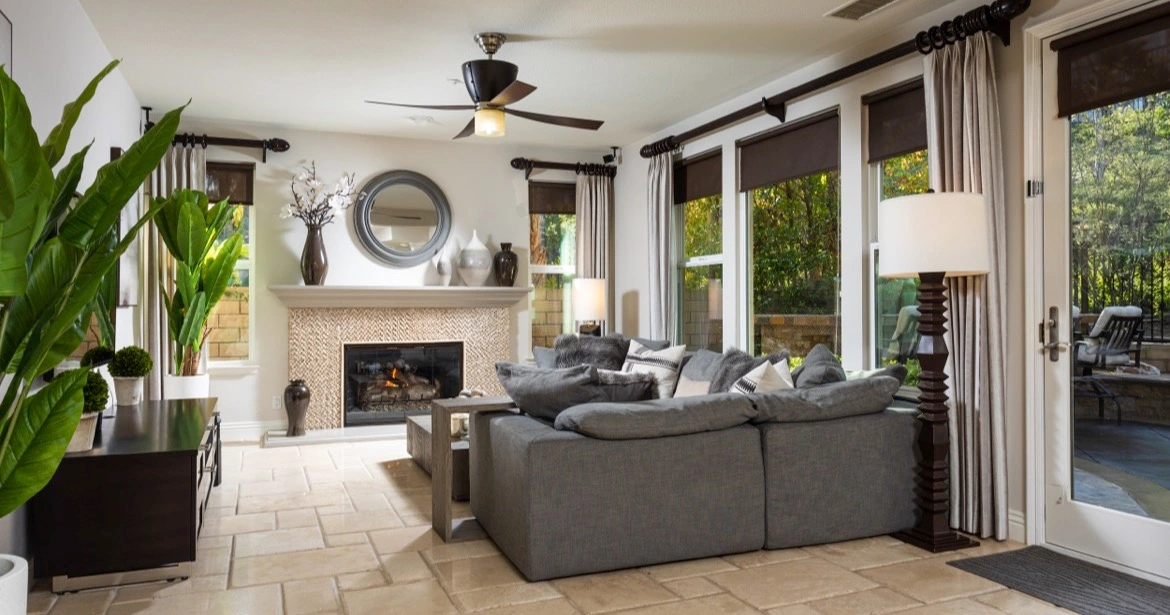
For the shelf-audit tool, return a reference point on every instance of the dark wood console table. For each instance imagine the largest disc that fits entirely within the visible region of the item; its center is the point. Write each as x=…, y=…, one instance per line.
x=131, y=509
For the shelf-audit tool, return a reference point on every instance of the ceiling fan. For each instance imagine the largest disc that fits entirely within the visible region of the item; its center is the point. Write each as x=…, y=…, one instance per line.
x=493, y=86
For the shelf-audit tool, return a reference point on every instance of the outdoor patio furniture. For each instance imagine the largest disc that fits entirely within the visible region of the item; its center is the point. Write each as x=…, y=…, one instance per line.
x=1108, y=345
x=905, y=337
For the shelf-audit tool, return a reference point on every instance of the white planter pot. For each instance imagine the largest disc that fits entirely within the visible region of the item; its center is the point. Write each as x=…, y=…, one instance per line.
x=128, y=391
x=82, y=439
x=13, y=585
x=187, y=387
x=104, y=372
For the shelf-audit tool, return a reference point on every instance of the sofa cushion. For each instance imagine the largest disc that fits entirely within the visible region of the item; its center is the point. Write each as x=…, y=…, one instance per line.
x=600, y=352
x=822, y=403
x=544, y=357
x=820, y=367
x=737, y=363
x=657, y=418
x=664, y=365
x=896, y=371
x=545, y=392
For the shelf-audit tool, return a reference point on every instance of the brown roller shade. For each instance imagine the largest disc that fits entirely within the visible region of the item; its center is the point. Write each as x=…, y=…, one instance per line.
x=233, y=181
x=552, y=198
x=1123, y=59
x=698, y=176
x=804, y=147
x=897, y=120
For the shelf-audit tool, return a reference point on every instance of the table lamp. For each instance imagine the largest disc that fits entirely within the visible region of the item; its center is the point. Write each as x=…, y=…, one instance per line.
x=589, y=304
x=933, y=236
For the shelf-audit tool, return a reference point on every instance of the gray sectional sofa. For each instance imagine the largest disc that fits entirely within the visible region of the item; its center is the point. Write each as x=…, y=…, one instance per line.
x=618, y=485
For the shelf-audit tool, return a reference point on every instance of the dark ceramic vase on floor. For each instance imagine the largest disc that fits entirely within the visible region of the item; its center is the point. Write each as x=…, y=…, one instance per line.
x=314, y=261
x=505, y=264
x=296, y=404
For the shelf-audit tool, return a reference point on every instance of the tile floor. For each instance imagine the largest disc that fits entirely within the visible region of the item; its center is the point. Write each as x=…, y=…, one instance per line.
x=344, y=528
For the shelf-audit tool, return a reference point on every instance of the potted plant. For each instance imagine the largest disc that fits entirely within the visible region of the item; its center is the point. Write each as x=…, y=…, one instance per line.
x=191, y=228
x=98, y=359
x=57, y=250
x=129, y=366
x=95, y=399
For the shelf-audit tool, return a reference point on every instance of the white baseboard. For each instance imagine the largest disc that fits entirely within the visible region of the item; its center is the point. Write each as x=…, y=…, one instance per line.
x=248, y=431
x=1017, y=526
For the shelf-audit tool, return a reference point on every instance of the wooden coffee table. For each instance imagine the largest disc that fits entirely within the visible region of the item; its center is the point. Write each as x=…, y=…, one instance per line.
x=453, y=530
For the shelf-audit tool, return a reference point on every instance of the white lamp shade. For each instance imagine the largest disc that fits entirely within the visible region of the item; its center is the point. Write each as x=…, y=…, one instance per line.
x=489, y=122
x=936, y=231
x=589, y=300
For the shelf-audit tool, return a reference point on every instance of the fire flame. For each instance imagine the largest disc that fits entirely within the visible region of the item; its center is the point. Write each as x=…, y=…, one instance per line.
x=390, y=384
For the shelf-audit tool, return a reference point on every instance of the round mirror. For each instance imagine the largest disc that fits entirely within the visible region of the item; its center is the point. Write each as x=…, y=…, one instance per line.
x=402, y=218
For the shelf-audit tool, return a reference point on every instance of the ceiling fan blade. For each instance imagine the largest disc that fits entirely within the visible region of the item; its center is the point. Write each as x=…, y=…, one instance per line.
x=559, y=120
x=434, y=107
x=513, y=93
x=467, y=131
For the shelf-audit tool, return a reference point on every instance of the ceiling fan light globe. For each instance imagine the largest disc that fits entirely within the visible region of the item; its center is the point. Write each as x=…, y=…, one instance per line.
x=489, y=123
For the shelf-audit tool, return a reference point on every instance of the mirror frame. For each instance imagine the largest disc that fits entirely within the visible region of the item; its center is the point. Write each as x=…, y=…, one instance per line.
x=390, y=256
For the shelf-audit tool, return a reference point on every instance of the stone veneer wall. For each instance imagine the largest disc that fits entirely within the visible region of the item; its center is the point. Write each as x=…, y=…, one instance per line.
x=316, y=336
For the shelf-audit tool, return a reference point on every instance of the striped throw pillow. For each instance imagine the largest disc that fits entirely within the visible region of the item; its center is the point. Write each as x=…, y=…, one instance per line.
x=664, y=365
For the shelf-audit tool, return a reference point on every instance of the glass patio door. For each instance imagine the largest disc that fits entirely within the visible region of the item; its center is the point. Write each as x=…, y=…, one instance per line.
x=1106, y=272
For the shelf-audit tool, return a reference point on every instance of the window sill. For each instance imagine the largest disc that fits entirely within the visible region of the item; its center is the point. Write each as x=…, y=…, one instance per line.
x=232, y=369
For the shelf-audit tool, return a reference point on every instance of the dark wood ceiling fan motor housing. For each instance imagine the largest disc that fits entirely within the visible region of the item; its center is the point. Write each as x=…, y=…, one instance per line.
x=485, y=79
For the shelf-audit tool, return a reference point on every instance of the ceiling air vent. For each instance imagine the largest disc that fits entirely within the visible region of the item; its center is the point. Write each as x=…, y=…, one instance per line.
x=859, y=9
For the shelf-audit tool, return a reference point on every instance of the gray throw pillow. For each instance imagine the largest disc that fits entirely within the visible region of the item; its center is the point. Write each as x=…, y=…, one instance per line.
x=544, y=357
x=822, y=403
x=545, y=393
x=622, y=386
x=657, y=418
x=736, y=364
x=820, y=367
x=600, y=352
x=896, y=371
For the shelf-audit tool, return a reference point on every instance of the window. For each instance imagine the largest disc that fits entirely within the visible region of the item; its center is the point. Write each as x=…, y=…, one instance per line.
x=698, y=214
x=793, y=197
x=229, y=326
x=552, y=237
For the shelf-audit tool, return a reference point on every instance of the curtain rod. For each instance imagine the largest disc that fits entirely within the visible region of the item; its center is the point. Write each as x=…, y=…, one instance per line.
x=580, y=168
x=192, y=139
x=995, y=18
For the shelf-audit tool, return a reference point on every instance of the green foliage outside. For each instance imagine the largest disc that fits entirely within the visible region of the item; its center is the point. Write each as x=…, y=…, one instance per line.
x=131, y=362
x=905, y=174
x=1120, y=183
x=96, y=393
x=552, y=241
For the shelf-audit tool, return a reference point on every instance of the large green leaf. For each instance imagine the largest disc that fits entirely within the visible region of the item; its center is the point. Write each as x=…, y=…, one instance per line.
x=23, y=215
x=193, y=319
x=65, y=190
x=40, y=435
x=53, y=269
x=98, y=210
x=218, y=270
x=54, y=147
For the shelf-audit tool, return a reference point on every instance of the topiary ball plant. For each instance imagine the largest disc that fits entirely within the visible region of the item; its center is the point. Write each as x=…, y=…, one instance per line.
x=131, y=362
x=96, y=393
x=98, y=355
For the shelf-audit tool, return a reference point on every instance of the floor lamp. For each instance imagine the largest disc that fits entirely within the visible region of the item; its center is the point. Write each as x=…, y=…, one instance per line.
x=933, y=236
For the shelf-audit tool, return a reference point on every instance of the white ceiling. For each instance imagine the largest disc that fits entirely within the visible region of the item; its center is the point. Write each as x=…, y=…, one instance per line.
x=639, y=65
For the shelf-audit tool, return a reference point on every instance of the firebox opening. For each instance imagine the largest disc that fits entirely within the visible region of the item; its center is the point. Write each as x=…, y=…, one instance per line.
x=385, y=383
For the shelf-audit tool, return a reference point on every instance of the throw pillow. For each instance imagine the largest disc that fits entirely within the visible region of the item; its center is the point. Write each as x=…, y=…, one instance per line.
x=785, y=373
x=736, y=364
x=697, y=373
x=763, y=379
x=663, y=364
x=820, y=367
x=545, y=393
x=620, y=386
x=544, y=357
x=600, y=352
x=895, y=371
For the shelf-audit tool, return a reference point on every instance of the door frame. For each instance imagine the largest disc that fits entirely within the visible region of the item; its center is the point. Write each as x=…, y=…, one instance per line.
x=1035, y=454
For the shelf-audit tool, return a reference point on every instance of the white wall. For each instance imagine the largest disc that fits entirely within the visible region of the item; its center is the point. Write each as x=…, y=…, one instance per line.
x=485, y=193
x=632, y=217
x=56, y=51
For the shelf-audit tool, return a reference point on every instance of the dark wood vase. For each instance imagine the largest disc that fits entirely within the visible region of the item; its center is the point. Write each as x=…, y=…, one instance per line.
x=296, y=404
x=314, y=261
x=505, y=264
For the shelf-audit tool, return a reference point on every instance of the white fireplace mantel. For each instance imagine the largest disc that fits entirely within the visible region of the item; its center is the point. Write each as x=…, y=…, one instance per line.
x=298, y=296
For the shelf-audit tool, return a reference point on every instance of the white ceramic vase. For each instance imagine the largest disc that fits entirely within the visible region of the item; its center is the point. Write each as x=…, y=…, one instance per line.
x=186, y=387
x=82, y=439
x=475, y=262
x=443, y=268
x=13, y=585
x=128, y=391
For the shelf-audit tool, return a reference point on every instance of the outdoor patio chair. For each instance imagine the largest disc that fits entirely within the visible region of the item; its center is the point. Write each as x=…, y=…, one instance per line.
x=1113, y=339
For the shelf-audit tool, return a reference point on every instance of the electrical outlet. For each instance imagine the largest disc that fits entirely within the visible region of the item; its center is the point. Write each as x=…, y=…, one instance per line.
x=276, y=402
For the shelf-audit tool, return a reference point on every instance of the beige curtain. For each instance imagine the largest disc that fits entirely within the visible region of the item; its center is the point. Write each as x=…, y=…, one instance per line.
x=183, y=167
x=594, y=219
x=660, y=200
x=966, y=155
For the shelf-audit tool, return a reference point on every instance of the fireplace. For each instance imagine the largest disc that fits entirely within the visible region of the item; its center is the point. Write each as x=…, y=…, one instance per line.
x=385, y=383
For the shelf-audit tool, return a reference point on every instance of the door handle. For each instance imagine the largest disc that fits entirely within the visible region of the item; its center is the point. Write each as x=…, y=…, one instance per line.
x=1053, y=345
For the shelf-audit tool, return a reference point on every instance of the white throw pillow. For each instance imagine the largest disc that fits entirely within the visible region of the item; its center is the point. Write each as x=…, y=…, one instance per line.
x=663, y=364
x=763, y=379
x=691, y=388
x=785, y=373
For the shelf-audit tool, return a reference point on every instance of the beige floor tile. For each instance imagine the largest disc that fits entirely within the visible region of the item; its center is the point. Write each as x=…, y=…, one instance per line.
x=154, y=591
x=1017, y=603
x=239, y=477
x=340, y=540
x=82, y=603
x=338, y=509
x=725, y=604
x=302, y=517
x=422, y=597
x=211, y=562
x=792, y=582
x=405, y=567
x=692, y=568
x=861, y=554
x=346, y=523
x=417, y=538
x=278, y=541
x=310, y=596
x=361, y=580
x=40, y=601
x=476, y=573
x=239, y=524
x=369, y=501
x=988, y=546
x=794, y=609
x=557, y=606
x=290, y=485
x=223, y=495
x=416, y=520
x=509, y=595
x=335, y=475
x=964, y=606
x=752, y=559
x=693, y=587
x=293, y=501
x=613, y=591
x=282, y=567
x=210, y=542
x=868, y=602
x=930, y=580
x=460, y=550
x=252, y=600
